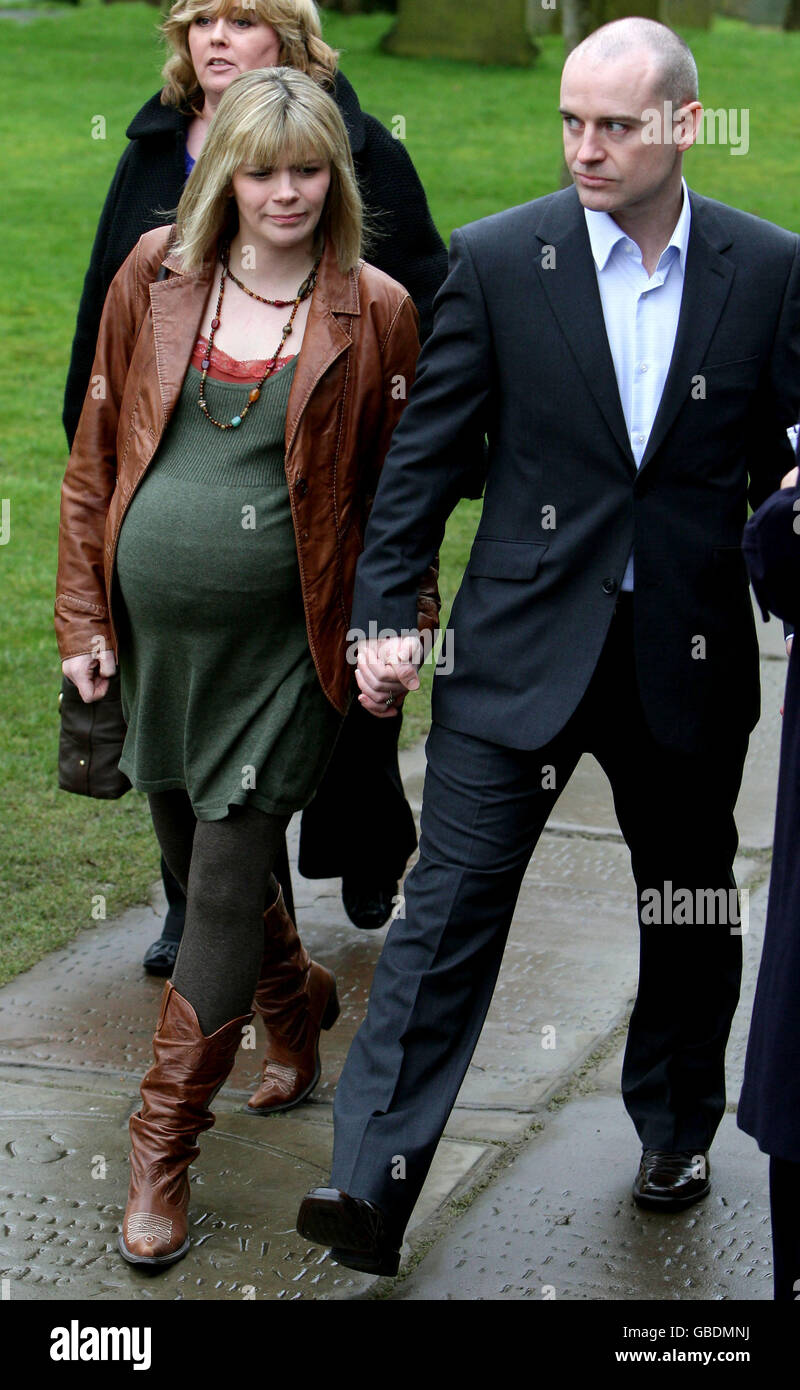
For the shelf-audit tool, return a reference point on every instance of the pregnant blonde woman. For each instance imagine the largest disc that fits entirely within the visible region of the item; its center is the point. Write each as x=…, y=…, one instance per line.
x=212, y=515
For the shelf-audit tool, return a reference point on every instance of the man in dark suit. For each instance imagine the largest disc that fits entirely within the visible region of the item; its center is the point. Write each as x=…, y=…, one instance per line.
x=633, y=353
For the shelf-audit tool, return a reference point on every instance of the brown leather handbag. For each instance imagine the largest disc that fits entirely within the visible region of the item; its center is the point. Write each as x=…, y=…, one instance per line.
x=90, y=743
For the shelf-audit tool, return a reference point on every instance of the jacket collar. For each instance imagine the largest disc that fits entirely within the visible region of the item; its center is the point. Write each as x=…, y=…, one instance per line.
x=155, y=119
x=345, y=97
x=178, y=303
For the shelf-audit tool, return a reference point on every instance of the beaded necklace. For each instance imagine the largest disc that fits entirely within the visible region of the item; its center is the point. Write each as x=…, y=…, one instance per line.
x=306, y=289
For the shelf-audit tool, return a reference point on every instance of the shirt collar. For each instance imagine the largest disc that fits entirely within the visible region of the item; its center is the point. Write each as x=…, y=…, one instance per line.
x=605, y=233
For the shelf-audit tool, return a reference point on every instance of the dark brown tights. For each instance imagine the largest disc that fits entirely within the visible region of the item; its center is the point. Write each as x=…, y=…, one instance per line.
x=225, y=869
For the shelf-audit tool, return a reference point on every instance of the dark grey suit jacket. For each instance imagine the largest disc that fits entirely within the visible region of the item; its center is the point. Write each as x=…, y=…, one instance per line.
x=519, y=350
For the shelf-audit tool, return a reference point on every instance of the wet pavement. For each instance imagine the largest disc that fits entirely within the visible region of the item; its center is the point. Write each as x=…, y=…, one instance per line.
x=529, y=1196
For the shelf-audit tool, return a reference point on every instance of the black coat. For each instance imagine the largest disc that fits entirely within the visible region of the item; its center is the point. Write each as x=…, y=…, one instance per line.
x=148, y=183
x=769, y=1107
x=519, y=350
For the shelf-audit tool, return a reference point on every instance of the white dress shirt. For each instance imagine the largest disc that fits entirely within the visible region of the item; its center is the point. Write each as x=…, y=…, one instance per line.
x=641, y=316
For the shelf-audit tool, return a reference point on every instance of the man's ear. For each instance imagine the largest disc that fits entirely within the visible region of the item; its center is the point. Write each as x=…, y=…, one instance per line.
x=686, y=129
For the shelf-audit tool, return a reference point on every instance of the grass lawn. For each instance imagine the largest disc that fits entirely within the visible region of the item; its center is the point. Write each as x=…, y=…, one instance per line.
x=482, y=139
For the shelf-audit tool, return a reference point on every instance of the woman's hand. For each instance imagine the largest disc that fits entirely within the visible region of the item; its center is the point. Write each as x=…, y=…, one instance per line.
x=386, y=671
x=90, y=674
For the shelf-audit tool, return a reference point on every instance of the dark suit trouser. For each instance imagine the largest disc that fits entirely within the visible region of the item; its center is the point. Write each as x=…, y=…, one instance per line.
x=484, y=808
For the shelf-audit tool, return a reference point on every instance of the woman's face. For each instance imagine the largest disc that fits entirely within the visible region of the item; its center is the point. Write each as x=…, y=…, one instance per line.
x=281, y=207
x=222, y=46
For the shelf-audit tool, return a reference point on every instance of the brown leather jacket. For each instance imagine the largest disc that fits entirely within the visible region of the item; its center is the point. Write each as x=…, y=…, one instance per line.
x=355, y=368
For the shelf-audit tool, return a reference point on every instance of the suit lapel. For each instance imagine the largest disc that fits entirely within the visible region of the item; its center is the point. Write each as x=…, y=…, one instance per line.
x=707, y=282
x=571, y=288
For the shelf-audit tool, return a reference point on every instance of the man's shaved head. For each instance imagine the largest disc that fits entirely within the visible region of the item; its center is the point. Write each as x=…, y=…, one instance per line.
x=675, y=64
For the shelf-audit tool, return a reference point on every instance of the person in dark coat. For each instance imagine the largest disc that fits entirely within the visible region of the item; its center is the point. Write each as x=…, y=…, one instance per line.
x=769, y=1106
x=341, y=834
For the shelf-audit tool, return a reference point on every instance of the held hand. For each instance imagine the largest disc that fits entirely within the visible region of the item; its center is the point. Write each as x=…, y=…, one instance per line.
x=386, y=671
x=90, y=674
x=790, y=480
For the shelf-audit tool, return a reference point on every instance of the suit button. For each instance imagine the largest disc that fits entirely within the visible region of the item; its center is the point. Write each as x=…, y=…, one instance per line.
x=301, y=487
x=609, y=586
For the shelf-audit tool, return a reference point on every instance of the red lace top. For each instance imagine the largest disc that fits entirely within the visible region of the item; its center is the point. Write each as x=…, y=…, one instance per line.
x=225, y=368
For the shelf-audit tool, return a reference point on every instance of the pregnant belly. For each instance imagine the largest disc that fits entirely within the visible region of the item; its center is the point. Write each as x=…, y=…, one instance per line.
x=191, y=556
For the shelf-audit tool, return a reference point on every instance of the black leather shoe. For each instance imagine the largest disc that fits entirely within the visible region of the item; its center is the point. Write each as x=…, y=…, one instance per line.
x=159, y=959
x=670, y=1182
x=353, y=1228
x=368, y=905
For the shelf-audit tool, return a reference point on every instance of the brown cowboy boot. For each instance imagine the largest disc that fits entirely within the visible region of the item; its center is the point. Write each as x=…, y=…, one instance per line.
x=296, y=998
x=188, y=1070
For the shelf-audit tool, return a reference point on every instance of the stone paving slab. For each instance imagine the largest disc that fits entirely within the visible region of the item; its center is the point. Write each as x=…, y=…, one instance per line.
x=752, y=945
x=63, y=1184
x=560, y=1222
x=771, y=641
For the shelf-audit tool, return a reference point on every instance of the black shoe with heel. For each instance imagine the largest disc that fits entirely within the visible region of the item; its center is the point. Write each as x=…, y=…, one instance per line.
x=671, y=1181
x=353, y=1228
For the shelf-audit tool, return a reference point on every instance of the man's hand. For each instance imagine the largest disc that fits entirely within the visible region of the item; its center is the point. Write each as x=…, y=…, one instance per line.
x=386, y=671
x=90, y=674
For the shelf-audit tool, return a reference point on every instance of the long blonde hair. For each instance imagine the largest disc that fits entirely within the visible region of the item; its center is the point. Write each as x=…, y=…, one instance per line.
x=296, y=22
x=265, y=118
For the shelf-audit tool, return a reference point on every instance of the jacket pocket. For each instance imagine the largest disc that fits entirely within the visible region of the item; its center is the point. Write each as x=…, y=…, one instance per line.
x=732, y=362
x=498, y=559
x=744, y=371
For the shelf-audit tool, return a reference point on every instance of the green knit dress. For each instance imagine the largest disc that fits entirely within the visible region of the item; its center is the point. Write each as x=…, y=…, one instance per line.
x=219, y=687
